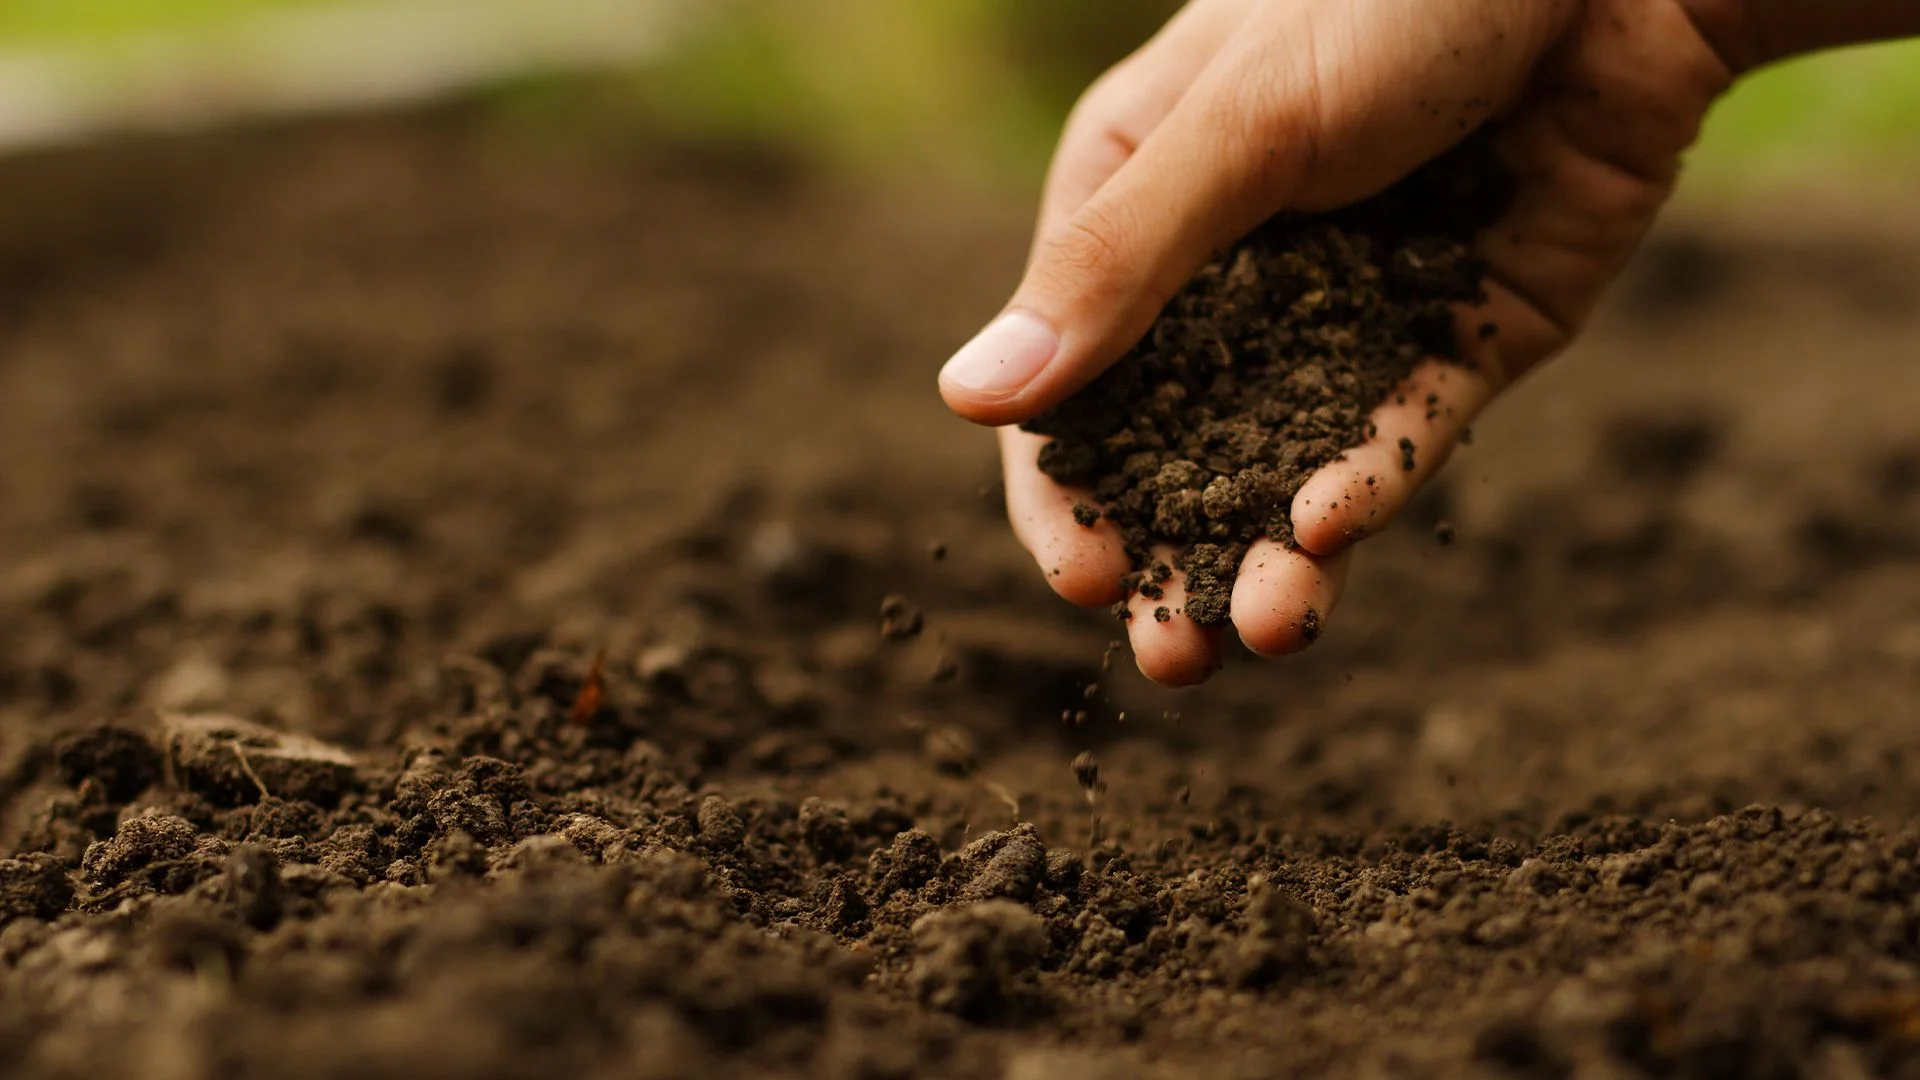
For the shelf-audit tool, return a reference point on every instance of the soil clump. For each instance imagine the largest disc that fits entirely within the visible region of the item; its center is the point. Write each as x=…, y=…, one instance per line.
x=1267, y=366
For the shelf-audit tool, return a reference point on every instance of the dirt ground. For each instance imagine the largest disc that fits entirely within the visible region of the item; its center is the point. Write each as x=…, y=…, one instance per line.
x=331, y=460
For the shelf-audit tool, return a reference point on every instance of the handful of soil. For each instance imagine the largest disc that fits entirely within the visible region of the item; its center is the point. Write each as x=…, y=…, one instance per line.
x=1266, y=367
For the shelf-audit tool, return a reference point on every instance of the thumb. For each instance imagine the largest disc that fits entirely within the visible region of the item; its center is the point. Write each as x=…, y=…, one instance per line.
x=1215, y=168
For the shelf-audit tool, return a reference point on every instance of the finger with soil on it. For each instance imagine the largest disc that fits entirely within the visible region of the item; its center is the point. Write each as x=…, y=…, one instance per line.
x=1083, y=564
x=1283, y=596
x=1270, y=364
x=1415, y=431
x=1170, y=648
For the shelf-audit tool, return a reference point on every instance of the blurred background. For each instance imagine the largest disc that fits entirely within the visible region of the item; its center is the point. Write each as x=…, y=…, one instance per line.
x=973, y=88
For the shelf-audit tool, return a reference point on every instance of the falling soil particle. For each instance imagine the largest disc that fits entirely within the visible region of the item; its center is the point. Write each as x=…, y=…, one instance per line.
x=945, y=669
x=1266, y=367
x=900, y=619
x=1086, y=770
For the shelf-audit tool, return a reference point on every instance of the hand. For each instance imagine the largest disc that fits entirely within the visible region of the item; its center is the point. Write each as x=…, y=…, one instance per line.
x=1239, y=109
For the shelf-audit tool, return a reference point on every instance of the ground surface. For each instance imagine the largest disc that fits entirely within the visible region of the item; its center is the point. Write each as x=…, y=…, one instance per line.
x=379, y=434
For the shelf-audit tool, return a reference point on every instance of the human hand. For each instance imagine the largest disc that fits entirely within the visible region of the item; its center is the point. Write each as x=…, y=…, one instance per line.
x=1239, y=109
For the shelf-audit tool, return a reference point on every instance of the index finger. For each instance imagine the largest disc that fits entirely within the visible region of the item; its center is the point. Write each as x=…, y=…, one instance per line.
x=1122, y=108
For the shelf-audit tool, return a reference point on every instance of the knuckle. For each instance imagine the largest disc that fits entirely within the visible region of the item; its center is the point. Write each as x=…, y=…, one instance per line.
x=1108, y=115
x=1102, y=99
x=1088, y=255
x=1269, y=117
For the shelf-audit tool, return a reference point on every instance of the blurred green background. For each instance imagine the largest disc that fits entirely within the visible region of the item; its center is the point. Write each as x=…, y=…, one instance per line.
x=981, y=85
x=996, y=77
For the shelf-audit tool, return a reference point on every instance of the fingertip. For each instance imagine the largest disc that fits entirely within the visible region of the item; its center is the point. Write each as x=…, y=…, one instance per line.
x=1169, y=647
x=1283, y=597
x=1414, y=433
x=1337, y=505
x=986, y=410
x=1085, y=570
x=1083, y=564
x=989, y=380
x=1177, y=660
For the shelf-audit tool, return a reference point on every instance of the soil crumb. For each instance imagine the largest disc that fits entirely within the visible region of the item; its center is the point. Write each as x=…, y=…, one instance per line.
x=900, y=619
x=1266, y=367
x=1086, y=770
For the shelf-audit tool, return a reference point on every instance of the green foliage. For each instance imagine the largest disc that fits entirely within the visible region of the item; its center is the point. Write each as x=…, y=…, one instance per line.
x=984, y=84
x=31, y=22
x=1848, y=110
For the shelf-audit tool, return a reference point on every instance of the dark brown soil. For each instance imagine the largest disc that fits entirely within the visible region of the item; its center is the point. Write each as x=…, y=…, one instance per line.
x=337, y=461
x=1266, y=367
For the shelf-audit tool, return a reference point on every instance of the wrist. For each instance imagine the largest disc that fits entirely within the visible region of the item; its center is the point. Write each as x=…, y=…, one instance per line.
x=1753, y=33
x=1734, y=30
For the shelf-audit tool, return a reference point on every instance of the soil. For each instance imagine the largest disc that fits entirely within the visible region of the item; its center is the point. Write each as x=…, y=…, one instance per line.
x=439, y=636
x=1264, y=368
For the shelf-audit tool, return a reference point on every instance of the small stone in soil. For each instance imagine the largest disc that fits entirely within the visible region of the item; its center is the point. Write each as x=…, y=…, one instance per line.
x=719, y=823
x=1008, y=863
x=900, y=619
x=973, y=960
x=229, y=760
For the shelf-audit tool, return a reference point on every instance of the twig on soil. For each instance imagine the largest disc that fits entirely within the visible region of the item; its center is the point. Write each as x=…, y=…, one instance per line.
x=1001, y=792
x=247, y=767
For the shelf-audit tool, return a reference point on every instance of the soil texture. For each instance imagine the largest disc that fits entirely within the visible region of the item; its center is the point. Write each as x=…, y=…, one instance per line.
x=1267, y=366
x=482, y=603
